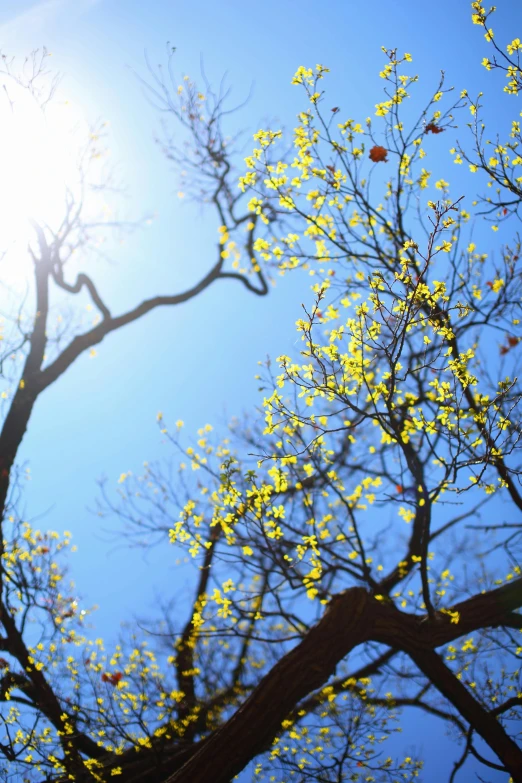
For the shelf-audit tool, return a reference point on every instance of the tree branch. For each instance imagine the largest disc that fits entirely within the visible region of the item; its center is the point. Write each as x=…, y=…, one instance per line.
x=84, y=341
x=482, y=721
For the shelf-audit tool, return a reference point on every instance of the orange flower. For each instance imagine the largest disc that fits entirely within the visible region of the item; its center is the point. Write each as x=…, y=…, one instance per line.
x=432, y=128
x=378, y=154
x=112, y=678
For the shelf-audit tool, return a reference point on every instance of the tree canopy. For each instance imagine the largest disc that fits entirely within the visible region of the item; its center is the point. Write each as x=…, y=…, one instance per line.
x=353, y=548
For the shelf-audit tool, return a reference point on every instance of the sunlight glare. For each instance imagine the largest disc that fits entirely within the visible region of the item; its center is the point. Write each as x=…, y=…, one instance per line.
x=39, y=154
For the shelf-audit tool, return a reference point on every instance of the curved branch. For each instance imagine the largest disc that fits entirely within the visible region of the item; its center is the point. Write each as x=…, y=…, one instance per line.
x=36, y=687
x=82, y=280
x=84, y=341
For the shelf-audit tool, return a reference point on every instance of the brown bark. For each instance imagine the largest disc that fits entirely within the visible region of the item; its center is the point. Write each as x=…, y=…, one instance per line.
x=308, y=666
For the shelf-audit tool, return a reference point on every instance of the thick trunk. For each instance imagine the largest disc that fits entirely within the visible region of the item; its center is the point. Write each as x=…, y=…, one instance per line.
x=305, y=668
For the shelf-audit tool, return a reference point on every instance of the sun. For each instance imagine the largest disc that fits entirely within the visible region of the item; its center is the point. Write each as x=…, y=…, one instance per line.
x=49, y=169
x=42, y=162
x=38, y=158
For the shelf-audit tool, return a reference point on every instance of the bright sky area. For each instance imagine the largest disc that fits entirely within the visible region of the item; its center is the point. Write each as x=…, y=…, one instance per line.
x=197, y=362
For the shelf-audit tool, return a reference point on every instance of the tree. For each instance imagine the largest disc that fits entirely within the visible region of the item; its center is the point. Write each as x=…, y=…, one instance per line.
x=356, y=554
x=42, y=342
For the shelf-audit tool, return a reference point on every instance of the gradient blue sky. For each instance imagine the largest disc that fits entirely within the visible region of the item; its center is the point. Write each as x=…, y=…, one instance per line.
x=197, y=362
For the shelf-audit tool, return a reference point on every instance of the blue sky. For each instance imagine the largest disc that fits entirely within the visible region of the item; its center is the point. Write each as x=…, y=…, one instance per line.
x=196, y=362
